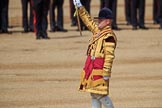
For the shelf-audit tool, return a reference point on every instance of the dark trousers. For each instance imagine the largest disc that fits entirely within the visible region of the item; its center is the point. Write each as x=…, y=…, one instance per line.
x=86, y=4
x=128, y=10
x=140, y=6
x=156, y=10
x=102, y=4
x=4, y=14
x=59, y=5
x=0, y=15
x=160, y=14
x=72, y=11
x=40, y=16
x=27, y=24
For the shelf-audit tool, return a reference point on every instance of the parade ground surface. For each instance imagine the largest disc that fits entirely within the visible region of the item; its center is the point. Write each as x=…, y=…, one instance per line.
x=45, y=73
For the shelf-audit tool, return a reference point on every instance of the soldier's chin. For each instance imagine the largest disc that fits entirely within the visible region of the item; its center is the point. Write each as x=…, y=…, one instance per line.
x=100, y=27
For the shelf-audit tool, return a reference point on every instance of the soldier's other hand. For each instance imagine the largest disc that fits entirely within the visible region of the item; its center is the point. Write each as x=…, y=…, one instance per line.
x=77, y=3
x=106, y=77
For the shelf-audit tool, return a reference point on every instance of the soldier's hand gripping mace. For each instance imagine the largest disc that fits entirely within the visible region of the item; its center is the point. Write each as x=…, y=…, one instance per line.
x=78, y=20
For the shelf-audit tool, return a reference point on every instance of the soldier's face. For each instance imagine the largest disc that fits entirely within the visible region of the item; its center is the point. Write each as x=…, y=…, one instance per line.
x=100, y=20
x=103, y=23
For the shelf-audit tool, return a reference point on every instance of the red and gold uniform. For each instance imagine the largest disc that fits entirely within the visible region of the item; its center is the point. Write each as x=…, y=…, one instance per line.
x=100, y=55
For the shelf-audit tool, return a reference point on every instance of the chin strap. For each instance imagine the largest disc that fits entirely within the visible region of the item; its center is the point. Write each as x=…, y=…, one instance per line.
x=78, y=20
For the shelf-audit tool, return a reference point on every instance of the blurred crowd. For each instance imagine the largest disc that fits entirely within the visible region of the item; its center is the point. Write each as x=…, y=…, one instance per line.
x=39, y=9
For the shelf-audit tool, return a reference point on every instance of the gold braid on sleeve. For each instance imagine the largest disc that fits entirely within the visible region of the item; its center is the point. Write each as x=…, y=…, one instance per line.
x=86, y=18
x=109, y=49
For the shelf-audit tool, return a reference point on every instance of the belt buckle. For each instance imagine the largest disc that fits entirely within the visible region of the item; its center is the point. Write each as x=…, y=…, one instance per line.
x=92, y=57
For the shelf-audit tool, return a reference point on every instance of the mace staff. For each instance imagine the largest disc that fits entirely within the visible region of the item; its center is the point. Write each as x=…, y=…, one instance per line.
x=78, y=20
